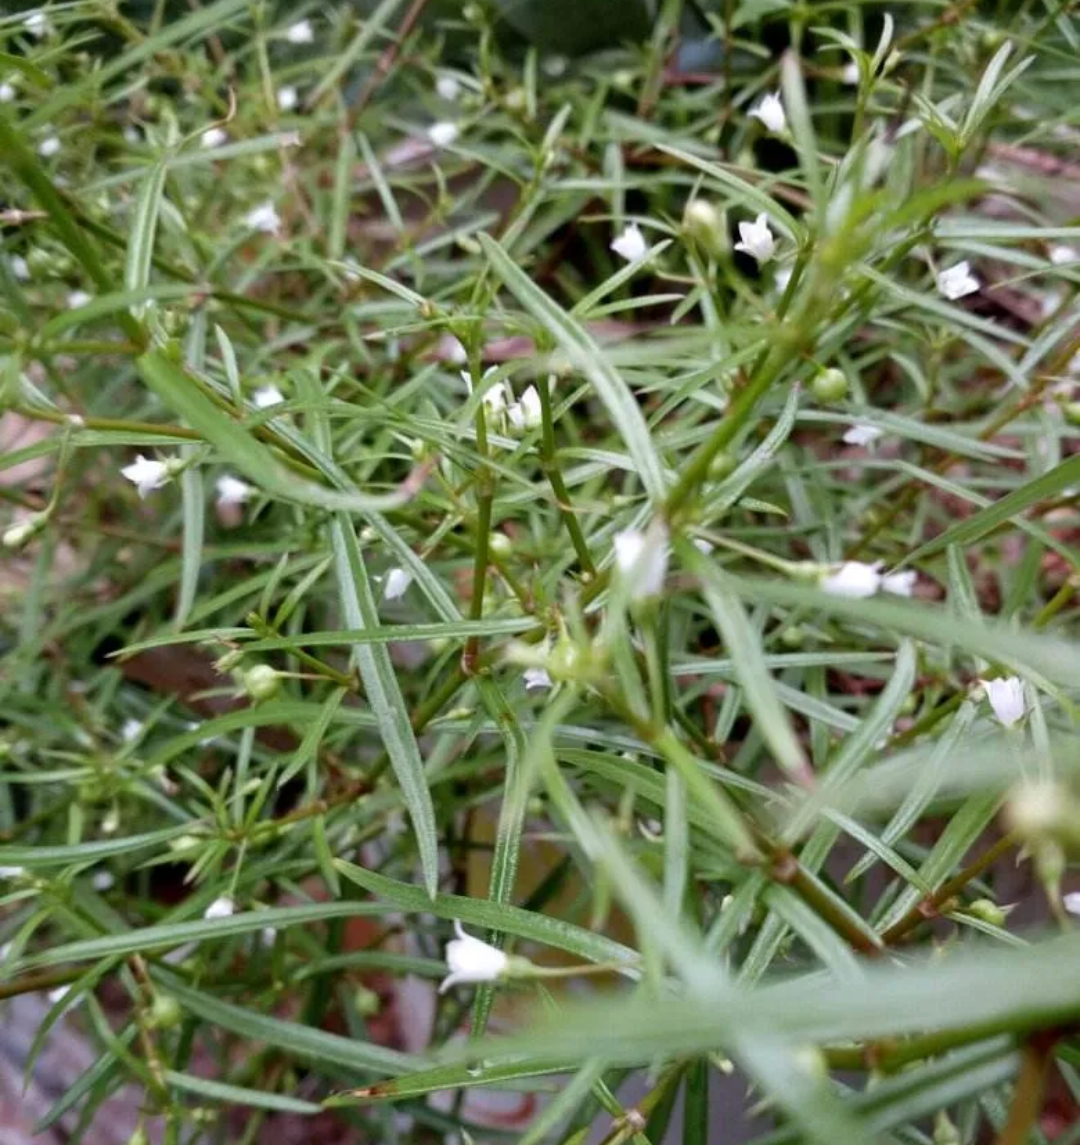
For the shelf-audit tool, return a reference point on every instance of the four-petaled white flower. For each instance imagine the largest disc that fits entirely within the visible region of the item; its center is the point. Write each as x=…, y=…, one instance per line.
x=525, y=414
x=287, y=97
x=1006, y=697
x=771, y=113
x=37, y=24
x=957, y=281
x=7, y=92
x=49, y=146
x=536, y=678
x=1060, y=254
x=78, y=298
x=642, y=558
x=756, y=240
x=232, y=491
x=862, y=435
x=300, y=33
x=397, y=583
x=146, y=474
x=220, y=908
x=264, y=217
x=900, y=583
x=266, y=396
x=630, y=243
x=1071, y=902
x=852, y=578
x=443, y=133
x=470, y=960
x=214, y=137
x=447, y=87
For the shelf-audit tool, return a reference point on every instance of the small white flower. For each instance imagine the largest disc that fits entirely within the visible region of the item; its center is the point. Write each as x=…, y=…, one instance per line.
x=214, y=137
x=451, y=350
x=703, y=546
x=1006, y=697
x=397, y=584
x=849, y=74
x=12, y=872
x=756, y=240
x=110, y=823
x=771, y=113
x=470, y=960
x=146, y=474
x=49, y=146
x=132, y=136
x=536, y=678
x=862, y=435
x=525, y=414
x=957, y=281
x=264, y=218
x=1071, y=902
x=643, y=559
x=1060, y=254
x=287, y=97
x=630, y=244
x=220, y=908
x=58, y=994
x=300, y=33
x=7, y=92
x=900, y=583
x=37, y=24
x=444, y=133
x=78, y=298
x=268, y=935
x=232, y=491
x=266, y=396
x=447, y=87
x=130, y=730
x=852, y=578
x=20, y=267
x=102, y=880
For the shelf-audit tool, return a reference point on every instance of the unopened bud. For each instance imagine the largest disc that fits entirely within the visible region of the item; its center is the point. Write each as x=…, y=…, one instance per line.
x=367, y=1002
x=23, y=532
x=703, y=223
x=1071, y=410
x=261, y=682
x=986, y=910
x=829, y=385
x=722, y=465
x=165, y=1012
x=501, y=545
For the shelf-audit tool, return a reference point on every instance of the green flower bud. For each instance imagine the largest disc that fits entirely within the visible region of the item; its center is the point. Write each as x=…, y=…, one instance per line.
x=829, y=385
x=261, y=682
x=367, y=1002
x=986, y=910
x=1071, y=410
x=165, y=1012
x=721, y=465
x=500, y=544
x=705, y=225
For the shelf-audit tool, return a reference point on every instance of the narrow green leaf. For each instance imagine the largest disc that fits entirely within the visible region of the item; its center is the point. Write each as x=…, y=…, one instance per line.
x=222, y=1092
x=140, y=251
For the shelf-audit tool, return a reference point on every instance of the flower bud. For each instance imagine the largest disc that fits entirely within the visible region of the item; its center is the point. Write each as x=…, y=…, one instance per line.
x=706, y=226
x=23, y=532
x=500, y=544
x=722, y=465
x=261, y=682
x=829, y=385
x=165, y=1012
x=367, y=1002
x=986, y=910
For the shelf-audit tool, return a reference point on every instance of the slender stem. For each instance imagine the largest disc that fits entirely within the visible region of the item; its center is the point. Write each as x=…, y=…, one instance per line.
x=1030, y=1086
x=550, y=465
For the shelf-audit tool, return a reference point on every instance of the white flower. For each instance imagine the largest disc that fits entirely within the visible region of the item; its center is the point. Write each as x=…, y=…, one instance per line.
x=1006, y=697
x=447, y=87
x=102, y=880
x=862, y=435
x=957, y=281
x=37, y=24
x=300, y=33
x=470, y=960
x=756, y=240
x=49, y=146
x=643, y=559
x=214, y=137
x=451, y=349
x=78, y=298
x=58, y=994
x=20, y=267
x=526, y=413
x=536, y=678
x=145, y=474
x=702, y=545
x=849, y=74
x=771, y=113
x=287, y=97
x=268, y=935
x=266, y=396
x=220, y=908
x=900, y=583
x=630, y=244
x=852, y=578
x=1060, y=254
x=232, y=491
x=130, y=730
x=397, y=583
x=7, y=92
x=1071, y=902
x=12, y=872
x=264, y=217
x=444, y=133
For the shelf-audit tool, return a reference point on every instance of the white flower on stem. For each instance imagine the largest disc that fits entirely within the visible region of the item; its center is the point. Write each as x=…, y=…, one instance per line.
x=630, y=243
x=470, y=960
x=287, y=97
x=37, y=24
x=220, y=908
x=756, y=240
x=443, y=133
x=852, y=578
x=78, y=298
x=957, y=281
x=525, y=414
x=397, y=584
x=447, y=87
x=12, y=872
x=1071, y=902
x=536, y=678
x=264, y=218
x=266, y=396
x=849, y=74
x=642, y=558
x=1061, y=255
x=58, y=993
x=20, y=267
x=214, y=137
x=49, y=146
x=146, y=474
x=451, y=350
x=102, y=880
x=900, y=583
x=771, y=113
x=130, y=730
x=232, y=491
x=300, y=33
x=7, y=92
x=862, y=435
x=1006, y=697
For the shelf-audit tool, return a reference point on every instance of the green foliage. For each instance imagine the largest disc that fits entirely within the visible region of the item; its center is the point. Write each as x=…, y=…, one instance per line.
x=431, y=498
